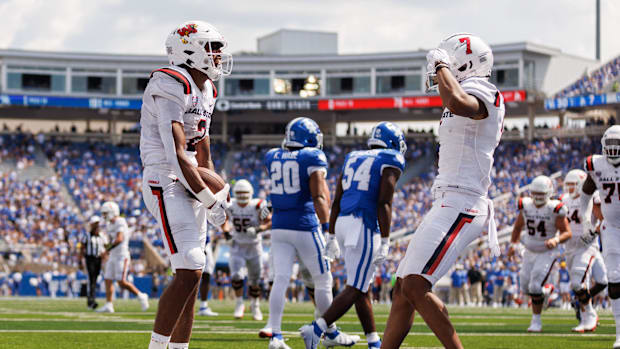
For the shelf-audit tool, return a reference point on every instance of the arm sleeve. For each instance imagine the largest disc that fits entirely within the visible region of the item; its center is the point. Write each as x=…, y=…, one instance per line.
x=316, y=161
x=170, y=111
x=479, y=90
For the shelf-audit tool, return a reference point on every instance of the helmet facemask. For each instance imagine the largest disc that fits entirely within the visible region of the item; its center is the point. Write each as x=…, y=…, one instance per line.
x=540, y=198
x=611, y=150
x=243, y=197
x=209, y=58
x=572, y=189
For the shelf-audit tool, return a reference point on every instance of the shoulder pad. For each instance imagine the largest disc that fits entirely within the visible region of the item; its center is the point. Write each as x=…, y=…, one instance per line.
x=180, y=78
x=315, y=156
x=557, y=206
x=520, y=203
x=481, y=89
x=589, y=164
x=259, y=203
x=393, y=157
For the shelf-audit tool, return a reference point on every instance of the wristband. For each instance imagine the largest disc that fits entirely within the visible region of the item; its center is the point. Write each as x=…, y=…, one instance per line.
x=206, y=197
x=557, y=240
x=439, y=66
x=325, y=227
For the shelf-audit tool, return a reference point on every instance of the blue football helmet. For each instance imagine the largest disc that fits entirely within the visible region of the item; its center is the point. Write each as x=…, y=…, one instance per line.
x=387, y=135
x=301, y=133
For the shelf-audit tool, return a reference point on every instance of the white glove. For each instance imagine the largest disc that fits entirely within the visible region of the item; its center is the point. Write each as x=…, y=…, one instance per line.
x=435, y=56
x=251, y=232
x=332, y=250
x=217, y=214
x=263, y=213
x=588, y=235
x=382, y=254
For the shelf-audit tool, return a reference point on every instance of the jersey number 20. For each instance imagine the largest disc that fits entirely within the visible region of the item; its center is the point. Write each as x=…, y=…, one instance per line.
x=285, y=177
x=361, y=175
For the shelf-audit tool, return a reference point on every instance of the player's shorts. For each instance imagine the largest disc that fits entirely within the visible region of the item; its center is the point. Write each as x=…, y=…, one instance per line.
x=116, y=268
x=246, y=258
x=564, y=287
x=455, y=220
x=181, y=218
x=359, y=247
x=584, y=262
x=536, y=270
x=209, y=259
x=308, y=246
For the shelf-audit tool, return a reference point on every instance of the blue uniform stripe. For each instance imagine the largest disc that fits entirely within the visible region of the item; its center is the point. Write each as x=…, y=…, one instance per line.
x=359, y=266
x=323, y=248
x=372, y=241
x=318, y=251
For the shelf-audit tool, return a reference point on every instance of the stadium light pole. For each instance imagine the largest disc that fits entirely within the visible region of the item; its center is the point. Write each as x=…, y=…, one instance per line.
x=598, y=30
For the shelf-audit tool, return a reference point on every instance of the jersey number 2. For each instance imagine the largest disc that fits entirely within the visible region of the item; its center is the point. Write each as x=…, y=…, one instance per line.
x=285, y=177
x=361, y=175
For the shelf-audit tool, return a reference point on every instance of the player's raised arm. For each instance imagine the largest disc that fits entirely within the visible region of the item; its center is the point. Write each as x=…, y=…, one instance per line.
x=456, y=99
x=384, y=205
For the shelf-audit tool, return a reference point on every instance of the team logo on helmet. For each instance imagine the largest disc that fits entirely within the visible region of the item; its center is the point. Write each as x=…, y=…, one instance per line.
x=188, y=29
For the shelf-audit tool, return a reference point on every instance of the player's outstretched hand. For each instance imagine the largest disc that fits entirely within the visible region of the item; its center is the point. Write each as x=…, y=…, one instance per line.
x=382, y=254
x=332, y=250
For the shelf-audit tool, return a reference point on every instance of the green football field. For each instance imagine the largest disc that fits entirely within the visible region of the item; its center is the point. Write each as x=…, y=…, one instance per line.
x=47, y=323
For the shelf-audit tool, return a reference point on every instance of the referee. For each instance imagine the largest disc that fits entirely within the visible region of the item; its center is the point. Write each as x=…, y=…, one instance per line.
x=92, y=248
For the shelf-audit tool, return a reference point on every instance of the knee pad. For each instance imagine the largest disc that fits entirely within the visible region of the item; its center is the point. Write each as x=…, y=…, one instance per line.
x=193, y=259
x=237, y=284
x=310, y=291
x=323, y=281
x=614, y=290
x=537, y=298
x=254, y=291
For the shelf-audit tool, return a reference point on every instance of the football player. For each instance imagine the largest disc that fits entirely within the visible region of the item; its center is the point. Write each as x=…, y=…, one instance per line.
x=582, y=255
x=176, y=116
x=543, y=218
x=360, y=221
x=469, y=131
x=300, y=199
x=250, y=217
x=604, y=174
x=117, y=252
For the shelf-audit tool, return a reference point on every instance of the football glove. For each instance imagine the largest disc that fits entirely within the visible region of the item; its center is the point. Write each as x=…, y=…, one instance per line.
x=216, y=215
x=382, y=254
x=436, y=57
x=263, y=213
x=589, y=234
x=332, y=250
x=250, y=232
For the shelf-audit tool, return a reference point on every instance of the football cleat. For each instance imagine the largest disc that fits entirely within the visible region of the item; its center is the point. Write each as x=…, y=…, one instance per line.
x=590, y=322
x=277, y=342
x=376, y=344
x=144, y=301
x=535, y=327
x=337, y=338
x=239, y=310
x=311, y=335
x=206, y=311
x=107, y=308
x=617, y=343
x=257, y=315
x=265, y=333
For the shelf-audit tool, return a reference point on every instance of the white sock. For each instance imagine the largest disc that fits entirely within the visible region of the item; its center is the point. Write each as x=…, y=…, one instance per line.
x=158, y=341
x=323, y=291
x=589, y=308
x=372, y=337
x=322, y=324
x=109, y=304
x=615, y=307
x=178, y=346
x=204, y=304
x=536, y=317
x=277, y=297
x=239, y=300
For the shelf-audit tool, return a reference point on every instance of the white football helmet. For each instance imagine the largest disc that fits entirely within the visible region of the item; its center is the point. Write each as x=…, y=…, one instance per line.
x=541, y=190
x=469, y=56
x=199, y=45
x=110, y=210
x=574, y=180
x=243, y=191
x=611, y=144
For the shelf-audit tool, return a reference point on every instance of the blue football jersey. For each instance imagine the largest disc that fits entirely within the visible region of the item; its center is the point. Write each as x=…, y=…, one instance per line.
x=361, y=180
x=290, y=172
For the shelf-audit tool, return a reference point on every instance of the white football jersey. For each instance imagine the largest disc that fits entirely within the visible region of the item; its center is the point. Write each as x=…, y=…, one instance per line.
x=573, y=207
x=539, y=222
x=175, y=84
x=466, y=146
x=112, y=230
x=243, y=218
x=607, y=180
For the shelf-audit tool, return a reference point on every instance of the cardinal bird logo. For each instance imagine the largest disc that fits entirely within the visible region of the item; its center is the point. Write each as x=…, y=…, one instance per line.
x=188, y=29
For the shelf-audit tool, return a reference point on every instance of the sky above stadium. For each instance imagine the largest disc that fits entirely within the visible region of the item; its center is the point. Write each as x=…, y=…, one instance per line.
x=140, y=26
